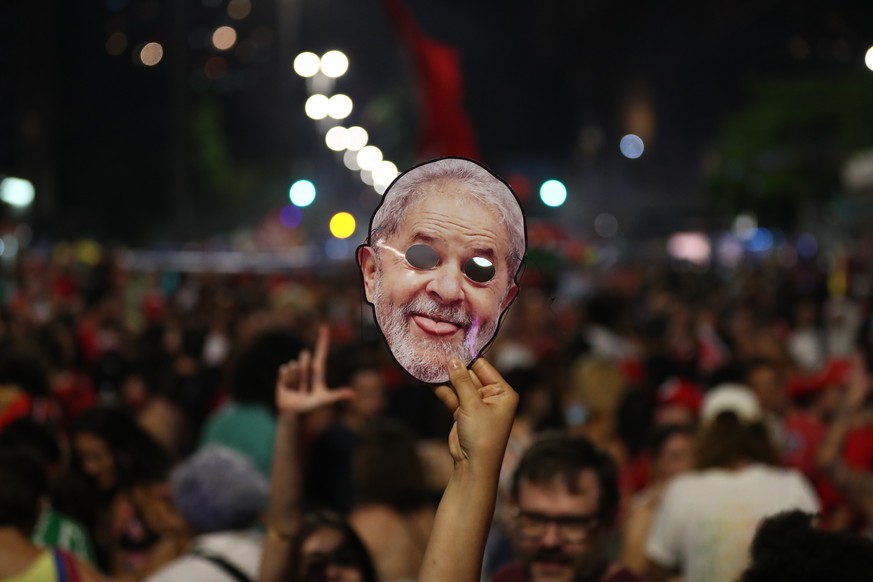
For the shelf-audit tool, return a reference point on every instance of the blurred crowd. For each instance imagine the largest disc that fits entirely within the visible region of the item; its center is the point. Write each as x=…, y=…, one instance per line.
x=146, y=403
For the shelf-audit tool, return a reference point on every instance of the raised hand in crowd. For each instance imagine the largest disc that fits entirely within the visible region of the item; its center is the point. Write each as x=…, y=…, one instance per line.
x=483, y=406
x=300, y=389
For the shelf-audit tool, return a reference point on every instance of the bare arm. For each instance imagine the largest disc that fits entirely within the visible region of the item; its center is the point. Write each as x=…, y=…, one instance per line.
x=300, y=389
x=483, y=405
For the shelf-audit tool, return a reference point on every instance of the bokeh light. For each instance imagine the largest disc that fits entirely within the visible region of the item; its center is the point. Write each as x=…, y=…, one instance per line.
x=384, y=173
x=10, y=246
x=350, y=160
x=807, y=246
x=744, y=226
x=224, y=38
x=116, y=5
x=339, y=106
x=606, y=225
x=868, y=58
x=342, y=225
x=367, y=177
x=316, y=106
x=334, y=64
x=368, y=157
x=693, y=247
x=553, y=193
x=239, y=9
x=302, y=193
x=290, y=216
x=356, y=138
x=215, y=68
x=631, y=146
x=116, y=43
x=151, y=54
x=337, y=249
x=17, y=192
x=306, y=64
x=335, y=138
x=761, y=241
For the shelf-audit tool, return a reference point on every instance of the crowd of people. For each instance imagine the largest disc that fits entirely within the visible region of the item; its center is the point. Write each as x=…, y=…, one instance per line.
x=176, y=426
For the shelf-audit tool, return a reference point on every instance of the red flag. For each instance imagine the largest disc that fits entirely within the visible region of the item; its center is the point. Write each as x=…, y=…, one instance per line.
x=445, y=126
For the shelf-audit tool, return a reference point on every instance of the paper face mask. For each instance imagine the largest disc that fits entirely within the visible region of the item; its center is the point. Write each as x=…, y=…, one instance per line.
x=440, y=263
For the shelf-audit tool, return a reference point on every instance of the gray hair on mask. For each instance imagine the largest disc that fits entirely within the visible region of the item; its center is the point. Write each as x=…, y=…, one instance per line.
x=480, y=183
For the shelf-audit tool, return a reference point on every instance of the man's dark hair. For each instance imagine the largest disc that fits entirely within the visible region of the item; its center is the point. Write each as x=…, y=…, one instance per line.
x=561, y=457
x=23, y=483
x=788, y=549
x=352, y=551
x=28, y=433
x=727, y=440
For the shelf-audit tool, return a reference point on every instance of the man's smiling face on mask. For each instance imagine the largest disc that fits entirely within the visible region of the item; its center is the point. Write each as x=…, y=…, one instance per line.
x=440, y=282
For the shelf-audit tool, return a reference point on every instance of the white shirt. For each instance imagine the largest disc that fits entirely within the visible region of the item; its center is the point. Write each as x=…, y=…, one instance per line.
x=241, y=548
x=706, y=520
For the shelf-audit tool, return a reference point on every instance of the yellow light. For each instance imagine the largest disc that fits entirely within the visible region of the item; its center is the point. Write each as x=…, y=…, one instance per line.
x=342, y=225
x=151, y=54
x=224, y=38
x=89, y=252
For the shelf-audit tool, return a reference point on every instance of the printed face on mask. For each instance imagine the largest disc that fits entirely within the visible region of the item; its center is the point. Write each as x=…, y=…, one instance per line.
x=441, y=281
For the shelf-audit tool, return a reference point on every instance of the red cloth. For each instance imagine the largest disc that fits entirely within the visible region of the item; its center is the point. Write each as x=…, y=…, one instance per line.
x=75, y=394
x=804, y=434
x=445, y=127
x=680, y=392
x=858, y=448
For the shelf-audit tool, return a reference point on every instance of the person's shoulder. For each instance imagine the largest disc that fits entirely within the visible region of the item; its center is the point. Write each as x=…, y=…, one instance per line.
x=228, y=541
x=780, y=474
x=690, y=481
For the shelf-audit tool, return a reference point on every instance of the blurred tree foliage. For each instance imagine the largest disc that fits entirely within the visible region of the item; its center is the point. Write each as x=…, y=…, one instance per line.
x=784, y=149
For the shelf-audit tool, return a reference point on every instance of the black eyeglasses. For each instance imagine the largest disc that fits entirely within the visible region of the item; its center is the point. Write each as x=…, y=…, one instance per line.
x=424, y=257
x=571, y=528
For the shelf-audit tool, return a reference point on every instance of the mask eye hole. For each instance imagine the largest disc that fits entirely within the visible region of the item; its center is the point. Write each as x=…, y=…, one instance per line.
x=422, y=257
x=479, y=269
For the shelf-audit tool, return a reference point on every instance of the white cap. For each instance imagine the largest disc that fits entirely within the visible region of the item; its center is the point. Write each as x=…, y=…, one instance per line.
x=735, y=398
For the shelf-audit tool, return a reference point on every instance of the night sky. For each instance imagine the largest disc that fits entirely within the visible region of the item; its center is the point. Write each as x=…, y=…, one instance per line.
x=207, y=142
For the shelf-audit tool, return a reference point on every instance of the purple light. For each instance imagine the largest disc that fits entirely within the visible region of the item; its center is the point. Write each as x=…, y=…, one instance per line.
x=290, y=216
x=807, y=246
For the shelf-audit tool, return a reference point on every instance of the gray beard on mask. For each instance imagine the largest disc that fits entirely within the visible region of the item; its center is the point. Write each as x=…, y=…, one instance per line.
x=427, y=360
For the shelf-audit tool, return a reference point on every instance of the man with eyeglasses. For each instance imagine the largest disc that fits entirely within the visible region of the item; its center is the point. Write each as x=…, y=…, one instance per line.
x=563, y=505
x=440, y=263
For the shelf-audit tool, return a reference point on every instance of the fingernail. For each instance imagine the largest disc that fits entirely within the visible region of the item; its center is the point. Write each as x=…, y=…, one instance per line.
x=455, y=364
